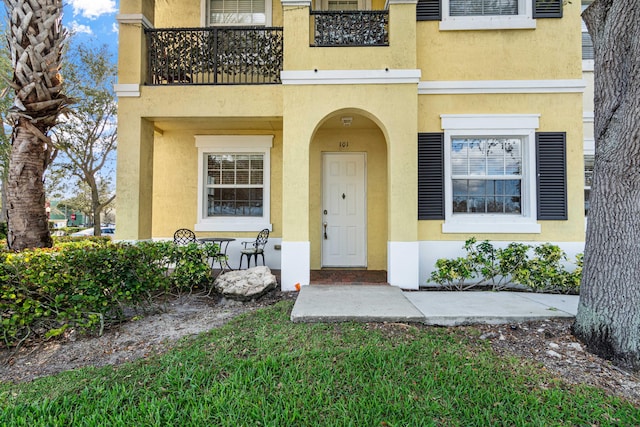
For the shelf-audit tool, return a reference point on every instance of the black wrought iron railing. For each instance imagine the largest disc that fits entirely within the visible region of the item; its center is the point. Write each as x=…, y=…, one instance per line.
x=210, y=56
x=350, y=28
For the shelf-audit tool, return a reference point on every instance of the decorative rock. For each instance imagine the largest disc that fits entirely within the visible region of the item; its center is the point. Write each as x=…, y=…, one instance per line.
x=554, y=354
x=246, y=285
x=488, y=335
x=553, y=345
x=575, y=346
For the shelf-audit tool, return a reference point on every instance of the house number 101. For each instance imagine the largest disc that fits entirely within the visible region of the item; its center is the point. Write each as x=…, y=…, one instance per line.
x=343, y=144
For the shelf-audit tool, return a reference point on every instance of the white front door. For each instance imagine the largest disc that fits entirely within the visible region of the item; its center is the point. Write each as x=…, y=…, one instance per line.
x=344, y=207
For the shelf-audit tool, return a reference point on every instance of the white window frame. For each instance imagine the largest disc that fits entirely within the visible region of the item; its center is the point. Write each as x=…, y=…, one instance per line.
x=232, y=144
x=204, y=15
x=521, y=126
x=324, y=4
x=587, y=156
x=587, y=64
x=523, y=20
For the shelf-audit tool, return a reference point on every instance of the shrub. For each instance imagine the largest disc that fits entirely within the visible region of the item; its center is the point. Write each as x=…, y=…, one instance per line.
x=86, y=284
x=546, y=271
x=191, y=265
x=453, y=274
x=500, y=268
x=98, y=239
x=482, y=266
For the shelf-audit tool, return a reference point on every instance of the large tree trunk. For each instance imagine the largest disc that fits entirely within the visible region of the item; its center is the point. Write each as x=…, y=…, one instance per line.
x=36, y=38
x=608, y=318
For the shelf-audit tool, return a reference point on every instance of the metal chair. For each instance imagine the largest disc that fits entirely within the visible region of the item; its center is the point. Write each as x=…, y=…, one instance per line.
x=256, y=248
x=184, y=236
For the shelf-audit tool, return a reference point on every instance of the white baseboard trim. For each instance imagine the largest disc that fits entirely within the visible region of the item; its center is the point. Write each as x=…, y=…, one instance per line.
x=403, y=264
x=296, y=265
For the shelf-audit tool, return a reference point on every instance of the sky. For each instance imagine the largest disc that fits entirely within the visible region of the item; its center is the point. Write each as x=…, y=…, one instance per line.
x=91, y=21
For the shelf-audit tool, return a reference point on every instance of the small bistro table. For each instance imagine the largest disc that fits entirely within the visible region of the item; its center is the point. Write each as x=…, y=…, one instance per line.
x=221, y=258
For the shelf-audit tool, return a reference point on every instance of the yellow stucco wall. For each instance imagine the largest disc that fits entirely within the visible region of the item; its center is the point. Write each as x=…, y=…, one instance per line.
x=134, y=180
x=175, y=181
x=392, y=107
x=558, y=113
x=167, y=162
x=299, y=55
x=146, y=7
x=550, y=51
x=372, y=142
x=211, y=101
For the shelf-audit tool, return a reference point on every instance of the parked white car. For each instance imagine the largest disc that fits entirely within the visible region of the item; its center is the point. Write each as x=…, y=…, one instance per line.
x=106, y=231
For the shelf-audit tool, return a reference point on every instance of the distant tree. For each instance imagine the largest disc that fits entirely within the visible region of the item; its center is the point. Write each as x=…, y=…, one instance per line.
x=82, y=201
x=87, y=139
x=608, y=318
x=36, y=38
x=5, y=142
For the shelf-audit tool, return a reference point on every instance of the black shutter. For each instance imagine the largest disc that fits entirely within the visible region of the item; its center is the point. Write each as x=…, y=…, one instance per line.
x=547, y=9
x=429, y=10
x=431, y=176
x=551, y=163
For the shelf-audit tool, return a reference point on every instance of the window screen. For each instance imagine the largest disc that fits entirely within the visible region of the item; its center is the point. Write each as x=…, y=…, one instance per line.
x=482, y=7
x=246, y=12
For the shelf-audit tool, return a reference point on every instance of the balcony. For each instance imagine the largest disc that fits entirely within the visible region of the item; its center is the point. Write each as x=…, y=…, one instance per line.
x=350, y=28
x=214, y=56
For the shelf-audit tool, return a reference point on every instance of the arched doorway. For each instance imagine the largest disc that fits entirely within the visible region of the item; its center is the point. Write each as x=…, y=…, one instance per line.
x=348, y=192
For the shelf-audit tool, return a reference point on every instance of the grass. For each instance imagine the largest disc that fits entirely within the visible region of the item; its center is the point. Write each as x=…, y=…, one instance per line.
x=262, y=370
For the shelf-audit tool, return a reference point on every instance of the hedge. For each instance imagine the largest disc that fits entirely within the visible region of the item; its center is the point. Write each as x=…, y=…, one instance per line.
x=86, y=284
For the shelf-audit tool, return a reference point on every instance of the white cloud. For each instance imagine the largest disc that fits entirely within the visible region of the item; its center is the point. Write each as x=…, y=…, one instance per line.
x=92, y=8
x=115, y=28
x=76, y=28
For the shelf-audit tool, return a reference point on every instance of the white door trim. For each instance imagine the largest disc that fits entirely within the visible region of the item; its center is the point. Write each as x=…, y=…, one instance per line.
x=361, y=257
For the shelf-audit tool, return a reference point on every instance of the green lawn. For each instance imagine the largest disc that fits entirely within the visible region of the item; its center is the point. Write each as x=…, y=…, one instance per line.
x=262, y=370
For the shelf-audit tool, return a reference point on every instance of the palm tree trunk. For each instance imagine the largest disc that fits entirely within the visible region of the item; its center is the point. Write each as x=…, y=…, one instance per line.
x=36, y=38
x=28, y=222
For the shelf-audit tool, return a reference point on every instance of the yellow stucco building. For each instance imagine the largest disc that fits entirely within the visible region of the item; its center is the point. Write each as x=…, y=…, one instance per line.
x=362, y=134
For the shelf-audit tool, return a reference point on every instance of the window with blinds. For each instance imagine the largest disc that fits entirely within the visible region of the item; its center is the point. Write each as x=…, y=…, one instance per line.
x=235, y=184
x=486, y=175
x=587, y=43
x=482, y=7
x=237, y=12
x=334, y=5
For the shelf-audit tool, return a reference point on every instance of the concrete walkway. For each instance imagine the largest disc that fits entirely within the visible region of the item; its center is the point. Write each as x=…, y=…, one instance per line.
x=380, y=303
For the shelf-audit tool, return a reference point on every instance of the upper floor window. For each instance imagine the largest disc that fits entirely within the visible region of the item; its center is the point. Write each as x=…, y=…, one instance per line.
x=482, y=7
x=486, y=14
x=237, y=12
x=341, y=5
